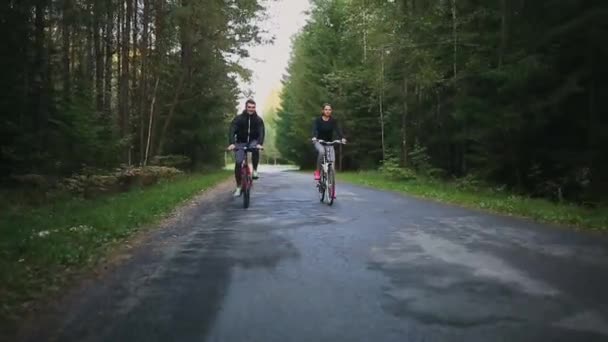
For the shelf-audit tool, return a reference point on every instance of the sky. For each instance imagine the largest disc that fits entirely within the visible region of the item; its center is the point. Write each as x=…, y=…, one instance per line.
x=269, y=62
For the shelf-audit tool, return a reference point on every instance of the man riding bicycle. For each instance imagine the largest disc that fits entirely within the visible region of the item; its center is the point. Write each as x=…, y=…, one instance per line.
x=324, y=128
x=246, y=130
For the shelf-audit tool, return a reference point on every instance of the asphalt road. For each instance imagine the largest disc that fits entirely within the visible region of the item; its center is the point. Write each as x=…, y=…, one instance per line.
x=376, y=266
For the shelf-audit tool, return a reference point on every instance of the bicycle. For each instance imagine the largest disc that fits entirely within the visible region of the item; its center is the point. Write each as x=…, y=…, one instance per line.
x=246, y=175
x=327, y=182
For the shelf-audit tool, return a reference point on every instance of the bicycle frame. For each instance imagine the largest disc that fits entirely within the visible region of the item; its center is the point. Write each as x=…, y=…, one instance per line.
x=327, y=183
x=327, y=164
x=246, y=175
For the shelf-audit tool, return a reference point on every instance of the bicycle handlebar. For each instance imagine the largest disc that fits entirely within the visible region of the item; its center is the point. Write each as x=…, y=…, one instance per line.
x=323, y=142
x=245, y=148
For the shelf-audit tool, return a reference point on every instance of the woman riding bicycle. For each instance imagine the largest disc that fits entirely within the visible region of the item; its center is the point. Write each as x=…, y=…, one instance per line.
x=324, y=128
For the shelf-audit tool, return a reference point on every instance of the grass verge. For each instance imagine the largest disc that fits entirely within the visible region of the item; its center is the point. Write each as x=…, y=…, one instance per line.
x=41, y=247
x=487, y=199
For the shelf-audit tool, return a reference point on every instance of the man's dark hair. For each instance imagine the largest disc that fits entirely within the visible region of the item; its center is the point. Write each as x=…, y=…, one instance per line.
x=250, y=101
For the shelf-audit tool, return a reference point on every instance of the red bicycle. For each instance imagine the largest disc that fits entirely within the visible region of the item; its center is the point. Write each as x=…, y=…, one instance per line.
x=246, y=175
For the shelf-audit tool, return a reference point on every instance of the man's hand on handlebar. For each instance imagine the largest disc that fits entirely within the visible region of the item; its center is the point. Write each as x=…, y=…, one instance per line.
x=231, y=147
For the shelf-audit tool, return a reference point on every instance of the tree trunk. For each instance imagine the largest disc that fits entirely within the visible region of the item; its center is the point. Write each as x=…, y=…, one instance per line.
x=455, y=34
x=364, y=31
x=381, y=103
x=591, y=112
x=404, y=158
x=124, y=78
x=134, y=110
x=186, y=63
x=154, y=66
x=109, y=39
x=503, y=32
x=98, y=57
x=90, y=67
x=150, y=122
x=187, y=48
x=119, y=28
x=143, y=84
x=465, y=147
x=159, y=31
x=41, y=75
x=163, y=133
x=65, y=28
x=74, y=38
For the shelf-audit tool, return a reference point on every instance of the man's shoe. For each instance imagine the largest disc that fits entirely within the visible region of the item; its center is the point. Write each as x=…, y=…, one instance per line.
x=255, y=174
x=237, y=192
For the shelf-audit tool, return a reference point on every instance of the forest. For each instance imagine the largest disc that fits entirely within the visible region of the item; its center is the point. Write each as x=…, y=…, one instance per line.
x=96, y=84
x=505, y=92
x=114, y=119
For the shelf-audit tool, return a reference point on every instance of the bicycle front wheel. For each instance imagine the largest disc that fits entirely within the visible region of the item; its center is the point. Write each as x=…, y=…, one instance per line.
x=331, y=186
x=246, y=186
x=321, y=187
x=246, y=194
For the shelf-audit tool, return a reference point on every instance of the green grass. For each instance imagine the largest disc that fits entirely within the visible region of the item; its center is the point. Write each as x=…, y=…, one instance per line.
x=487, y=199
x=40, y=247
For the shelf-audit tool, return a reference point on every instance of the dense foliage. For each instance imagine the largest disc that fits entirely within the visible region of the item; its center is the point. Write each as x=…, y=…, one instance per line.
x=509, y=92
x=99, y=83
